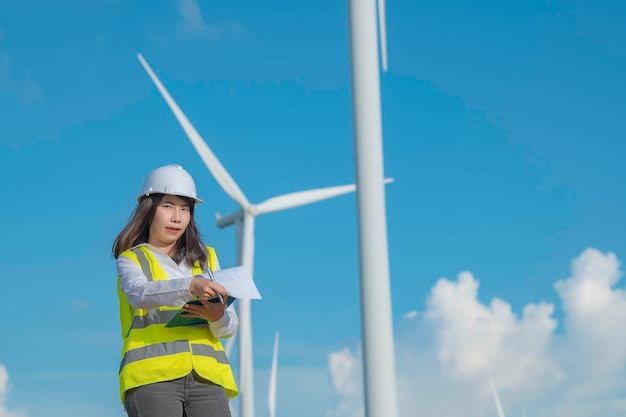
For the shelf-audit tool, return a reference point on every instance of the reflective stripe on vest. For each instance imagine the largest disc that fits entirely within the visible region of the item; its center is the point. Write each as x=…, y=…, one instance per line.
x=143, y=263
x=157, y=317
x=171, y=348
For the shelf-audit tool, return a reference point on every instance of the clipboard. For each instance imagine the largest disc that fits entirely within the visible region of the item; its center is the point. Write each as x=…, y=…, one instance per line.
x=180, y=320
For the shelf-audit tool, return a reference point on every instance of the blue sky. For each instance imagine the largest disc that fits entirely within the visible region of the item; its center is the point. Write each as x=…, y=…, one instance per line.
x=503, y=128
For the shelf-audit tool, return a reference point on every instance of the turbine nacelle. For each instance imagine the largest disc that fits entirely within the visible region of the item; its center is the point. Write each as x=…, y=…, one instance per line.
x=229, y=219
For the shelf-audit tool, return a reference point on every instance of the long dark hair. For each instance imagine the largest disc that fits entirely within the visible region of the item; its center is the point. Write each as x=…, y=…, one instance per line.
x=189, y=247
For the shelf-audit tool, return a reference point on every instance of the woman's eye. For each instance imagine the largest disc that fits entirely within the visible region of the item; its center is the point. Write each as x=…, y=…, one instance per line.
x=185, y=208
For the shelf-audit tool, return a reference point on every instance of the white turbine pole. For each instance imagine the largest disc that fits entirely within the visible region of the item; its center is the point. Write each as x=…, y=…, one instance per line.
x=246, y=364
x=378, y=345
x=271, y=396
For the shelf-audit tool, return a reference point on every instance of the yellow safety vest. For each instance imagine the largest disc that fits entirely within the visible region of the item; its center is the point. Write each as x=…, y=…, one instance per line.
x=155, y=353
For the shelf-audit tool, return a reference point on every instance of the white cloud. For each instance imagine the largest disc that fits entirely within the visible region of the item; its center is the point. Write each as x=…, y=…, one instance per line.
x=191, y=15
x=342, y=367
x=596, y=312
x=411, y=314
x=445, y=358
x=193, y=23
x=4, y=392
x=473, y=338
x=345, y=374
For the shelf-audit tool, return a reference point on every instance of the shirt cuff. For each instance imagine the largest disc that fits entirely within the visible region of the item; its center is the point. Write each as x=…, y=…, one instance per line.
x=185, y=283
x=220, y=323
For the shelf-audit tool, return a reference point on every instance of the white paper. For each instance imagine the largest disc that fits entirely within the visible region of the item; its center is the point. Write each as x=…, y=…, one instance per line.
x=238, y=282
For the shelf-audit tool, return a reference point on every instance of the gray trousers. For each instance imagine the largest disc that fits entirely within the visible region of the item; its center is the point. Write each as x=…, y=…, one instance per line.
x=190, y=396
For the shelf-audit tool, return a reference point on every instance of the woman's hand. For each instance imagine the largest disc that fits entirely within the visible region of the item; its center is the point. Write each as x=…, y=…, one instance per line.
x=208, y=310
x=206, y=289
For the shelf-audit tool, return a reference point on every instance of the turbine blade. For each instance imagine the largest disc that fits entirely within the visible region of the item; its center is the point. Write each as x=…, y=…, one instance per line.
x=208, y=157
x=301, y=198
x=382, y=33
x=271, y=400
x=496, y=398
x=229, y=345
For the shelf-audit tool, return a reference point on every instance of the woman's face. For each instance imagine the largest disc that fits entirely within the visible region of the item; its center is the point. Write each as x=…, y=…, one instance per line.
x=170, y=221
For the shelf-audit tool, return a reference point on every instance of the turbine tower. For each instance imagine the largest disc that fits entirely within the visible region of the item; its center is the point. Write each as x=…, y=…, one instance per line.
x=376, y=319
x=271, y=396
x=243, y=219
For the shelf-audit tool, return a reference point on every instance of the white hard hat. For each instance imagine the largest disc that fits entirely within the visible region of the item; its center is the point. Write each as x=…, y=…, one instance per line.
x=169, y=179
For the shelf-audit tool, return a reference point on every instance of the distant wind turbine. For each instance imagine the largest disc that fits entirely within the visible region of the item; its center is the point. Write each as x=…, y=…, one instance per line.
x=244, y=221
x=271, y=397
x=496, y=398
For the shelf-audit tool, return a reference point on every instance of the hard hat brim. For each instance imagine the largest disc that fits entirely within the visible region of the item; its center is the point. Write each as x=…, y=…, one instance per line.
x=196, y=199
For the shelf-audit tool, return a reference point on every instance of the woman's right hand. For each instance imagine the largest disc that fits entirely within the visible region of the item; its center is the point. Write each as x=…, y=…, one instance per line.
x=206, y=289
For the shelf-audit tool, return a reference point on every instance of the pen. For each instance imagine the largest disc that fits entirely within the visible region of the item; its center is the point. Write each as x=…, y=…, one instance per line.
x=212, y=278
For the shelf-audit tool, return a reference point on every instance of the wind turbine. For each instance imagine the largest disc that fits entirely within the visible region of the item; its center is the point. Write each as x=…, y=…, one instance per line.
x=243, y=219
x=271, y=397
x=496, y=398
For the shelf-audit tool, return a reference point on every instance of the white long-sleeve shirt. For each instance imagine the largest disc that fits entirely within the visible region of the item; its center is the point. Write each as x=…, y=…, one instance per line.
x=172, y=292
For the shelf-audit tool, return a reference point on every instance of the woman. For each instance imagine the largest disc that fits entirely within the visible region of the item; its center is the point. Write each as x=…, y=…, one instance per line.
x=162, y=264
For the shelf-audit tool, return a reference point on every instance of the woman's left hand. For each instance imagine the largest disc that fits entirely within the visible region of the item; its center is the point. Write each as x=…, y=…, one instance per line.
x=208, y=311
